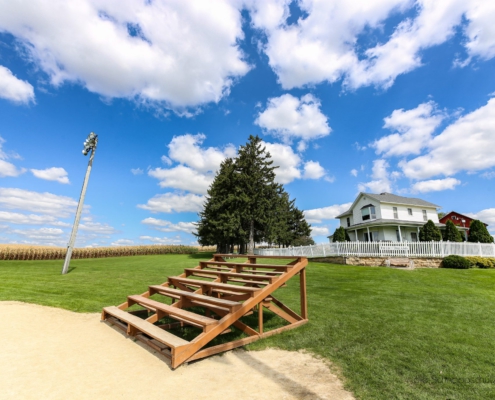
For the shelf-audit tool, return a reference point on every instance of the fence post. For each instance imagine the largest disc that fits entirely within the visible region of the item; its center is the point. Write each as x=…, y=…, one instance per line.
x=323, y=248
x=479, y=248
x=311, y=248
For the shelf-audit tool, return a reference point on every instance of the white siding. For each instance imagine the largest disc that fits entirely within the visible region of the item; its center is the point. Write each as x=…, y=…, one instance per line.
x=388, y=213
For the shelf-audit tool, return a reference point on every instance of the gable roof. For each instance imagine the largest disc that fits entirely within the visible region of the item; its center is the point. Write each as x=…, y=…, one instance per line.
x=446, y=216
x=390, y=198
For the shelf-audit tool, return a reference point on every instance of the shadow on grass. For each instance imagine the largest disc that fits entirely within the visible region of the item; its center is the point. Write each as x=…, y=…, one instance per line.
x=201, y=256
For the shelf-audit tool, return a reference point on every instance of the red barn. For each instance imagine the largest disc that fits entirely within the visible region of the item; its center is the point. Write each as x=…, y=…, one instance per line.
x=458, y=219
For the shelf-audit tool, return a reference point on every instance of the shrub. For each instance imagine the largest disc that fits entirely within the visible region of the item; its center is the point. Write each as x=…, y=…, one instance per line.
x=340, y=235
x=479, y=233
x=481, y=262
x=429, y=232
x=456, y=262
x=451, y=233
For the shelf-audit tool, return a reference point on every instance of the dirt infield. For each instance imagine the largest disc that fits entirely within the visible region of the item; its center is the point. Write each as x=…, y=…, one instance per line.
x=49, y=353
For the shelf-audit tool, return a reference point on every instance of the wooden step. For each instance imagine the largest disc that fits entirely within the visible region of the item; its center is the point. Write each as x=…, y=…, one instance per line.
x=245, y=265
x=145, y=327
x=166, y=310
x=253, y=277
x=194, y=297
x=214, y=285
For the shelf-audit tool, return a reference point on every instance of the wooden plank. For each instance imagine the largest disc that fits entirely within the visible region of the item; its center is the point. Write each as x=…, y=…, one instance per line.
x=257, y=256
x=235, y=264
x=302, y=288
x=171, y=311
x=198, y=297
x=215, y=285
x=146, y=328
x=209, y=273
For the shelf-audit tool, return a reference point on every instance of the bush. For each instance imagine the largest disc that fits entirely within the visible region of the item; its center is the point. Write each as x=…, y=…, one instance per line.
x=456, y=262
x=340, y=235
x=479, y=233
x=429, y=232
x=451, y=233
x=481, y=262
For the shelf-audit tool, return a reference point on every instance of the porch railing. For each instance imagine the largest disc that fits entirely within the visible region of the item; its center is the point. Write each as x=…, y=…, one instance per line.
x=385, y=249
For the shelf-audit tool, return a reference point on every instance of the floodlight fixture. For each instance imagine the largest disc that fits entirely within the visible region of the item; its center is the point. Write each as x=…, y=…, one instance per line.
x=89, y=146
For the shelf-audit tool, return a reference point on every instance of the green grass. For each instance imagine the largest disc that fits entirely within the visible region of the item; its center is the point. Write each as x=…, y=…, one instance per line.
x=391, y=334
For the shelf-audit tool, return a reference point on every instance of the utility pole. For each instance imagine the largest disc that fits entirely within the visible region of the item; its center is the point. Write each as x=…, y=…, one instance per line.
x=89, y=146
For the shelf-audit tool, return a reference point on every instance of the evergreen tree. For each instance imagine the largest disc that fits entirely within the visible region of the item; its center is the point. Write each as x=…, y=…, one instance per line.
x=430, y=232
x=451, y=233
x=340, y=235
x=303, y=241
x=479, y=233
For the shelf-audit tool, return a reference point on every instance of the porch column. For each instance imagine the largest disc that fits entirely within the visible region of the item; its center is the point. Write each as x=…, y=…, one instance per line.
x=400, y=234
x=368, y=229
x=357, y=238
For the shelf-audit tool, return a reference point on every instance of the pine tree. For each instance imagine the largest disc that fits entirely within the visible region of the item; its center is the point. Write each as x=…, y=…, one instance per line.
x=479, y=233
x=429, y=232
x=340, y=235
x=451, y=233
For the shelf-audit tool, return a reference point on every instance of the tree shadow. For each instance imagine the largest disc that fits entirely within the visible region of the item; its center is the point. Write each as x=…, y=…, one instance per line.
x=198, y=256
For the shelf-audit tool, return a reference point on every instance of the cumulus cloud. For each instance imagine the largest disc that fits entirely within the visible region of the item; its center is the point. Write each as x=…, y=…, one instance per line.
x=317, y=215
x=178, y=53
x=412, y=130
x=354, y=172
x=30, y=219
x=45, y=203
x=167, y=226
x=324, y=45
x=487, y=216
x=183, y=178
x=136, y=171
x=172, y=202
x=122, y=242
x=288, y=117
x=380, y=178
x=52, y=174
x=319, y=231
x=7, y=168
x=465, y=145
x=14, y=89
x=435, y=185
x=313, y=170
x=97, y=227
x=161, y=240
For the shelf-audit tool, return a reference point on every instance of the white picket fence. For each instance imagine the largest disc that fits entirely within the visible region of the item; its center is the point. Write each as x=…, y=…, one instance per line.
x=385, y=249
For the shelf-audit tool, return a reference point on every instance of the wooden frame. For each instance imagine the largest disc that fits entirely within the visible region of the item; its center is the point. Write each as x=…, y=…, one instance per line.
x=226, y=291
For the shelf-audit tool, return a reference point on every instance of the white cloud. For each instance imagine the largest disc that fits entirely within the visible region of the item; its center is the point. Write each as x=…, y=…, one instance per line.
x=286, y=160
x=183, y=178
x=486, y=216
x=171, y=202
x=380, y=178
x=98, y=228
x=30, y=219
x=319, y=231
x=317, y=215
x=7, y=168
x=435, y=185
x=354, y=172
x=465, y=145
x=186, y=149
x=41, y=235
x=163, y=240
x=136, y=171
x=121, y=48
x=488, y=174
x=122, y=242
x=290, y=118
x=52, y=174
x=167, y=226
x=325, y=45
x=412, y=130
x=313, y=170
x=44, y=203
x=166, y=160
x=14, y=89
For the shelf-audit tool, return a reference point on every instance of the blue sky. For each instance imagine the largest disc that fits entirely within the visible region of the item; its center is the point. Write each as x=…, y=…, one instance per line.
x=382, y=96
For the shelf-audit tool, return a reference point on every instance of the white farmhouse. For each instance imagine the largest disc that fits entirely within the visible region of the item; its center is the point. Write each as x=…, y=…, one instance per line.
x=385, y=216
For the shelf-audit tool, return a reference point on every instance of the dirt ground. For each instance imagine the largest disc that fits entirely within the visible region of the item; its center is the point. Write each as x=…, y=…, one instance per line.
x=49, y=353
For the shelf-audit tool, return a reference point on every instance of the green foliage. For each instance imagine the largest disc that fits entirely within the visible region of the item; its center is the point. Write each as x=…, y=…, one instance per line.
x=245, y=205
x=451, y=233
x=456, y=262
x=481, y=262
x=429, y=232
x=340, y=235
x=479, y=233
x=303, y=241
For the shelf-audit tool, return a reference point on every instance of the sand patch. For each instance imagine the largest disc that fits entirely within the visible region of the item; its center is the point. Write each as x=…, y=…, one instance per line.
x=49, y=353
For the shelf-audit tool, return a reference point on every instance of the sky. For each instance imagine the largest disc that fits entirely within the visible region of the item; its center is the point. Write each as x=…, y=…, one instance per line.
x=364, y=96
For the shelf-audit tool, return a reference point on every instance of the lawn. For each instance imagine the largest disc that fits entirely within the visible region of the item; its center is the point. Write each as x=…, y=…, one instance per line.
x=391, y=334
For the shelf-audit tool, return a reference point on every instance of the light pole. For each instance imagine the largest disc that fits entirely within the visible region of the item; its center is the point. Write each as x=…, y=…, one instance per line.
x=89, y=146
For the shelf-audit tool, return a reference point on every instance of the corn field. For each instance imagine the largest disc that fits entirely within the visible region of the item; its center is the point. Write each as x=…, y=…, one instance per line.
x=58, y=253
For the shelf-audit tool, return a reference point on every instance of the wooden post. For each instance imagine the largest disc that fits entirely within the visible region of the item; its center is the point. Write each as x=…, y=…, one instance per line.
x=260, y=318
x=302, y=285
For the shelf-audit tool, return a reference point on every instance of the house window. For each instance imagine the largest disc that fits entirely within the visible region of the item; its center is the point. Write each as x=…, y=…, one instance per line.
x=397, y=235
x=368, y=212
x=372, y=237
x=425, y=217
x=414, y=237
x=396, y=214
x=348, y=222
x=409, y=211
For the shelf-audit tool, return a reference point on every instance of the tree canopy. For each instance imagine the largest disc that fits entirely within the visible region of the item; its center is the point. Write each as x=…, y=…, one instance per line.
x=479, y=233
x=340, y=235
x=451, y=233
x=245, y=205
x=429, y=232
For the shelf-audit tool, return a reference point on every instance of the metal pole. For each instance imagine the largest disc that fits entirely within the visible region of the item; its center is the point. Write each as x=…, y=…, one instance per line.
x=72, y=239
